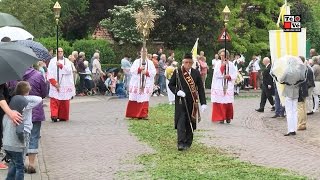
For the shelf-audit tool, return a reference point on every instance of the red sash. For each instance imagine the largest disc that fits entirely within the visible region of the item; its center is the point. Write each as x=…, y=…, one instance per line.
x=195, y=115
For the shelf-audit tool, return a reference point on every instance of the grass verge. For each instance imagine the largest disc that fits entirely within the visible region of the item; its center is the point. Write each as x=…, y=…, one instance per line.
x=199, y=162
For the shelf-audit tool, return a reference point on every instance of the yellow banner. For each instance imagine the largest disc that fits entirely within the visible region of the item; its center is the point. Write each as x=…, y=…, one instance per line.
x=285, y=43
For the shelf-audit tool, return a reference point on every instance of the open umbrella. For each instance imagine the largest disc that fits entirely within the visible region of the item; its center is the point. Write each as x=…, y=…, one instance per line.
x=15, y=59
x=15, y=33
x=9, y=20
x=41, y=52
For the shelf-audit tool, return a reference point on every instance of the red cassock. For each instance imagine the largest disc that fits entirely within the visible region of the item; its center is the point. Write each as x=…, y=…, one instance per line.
x=137, y=110
x=59, y=109
x=221, y=112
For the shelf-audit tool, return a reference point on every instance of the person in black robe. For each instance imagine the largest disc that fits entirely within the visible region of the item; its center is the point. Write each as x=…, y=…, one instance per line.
x=187, y=85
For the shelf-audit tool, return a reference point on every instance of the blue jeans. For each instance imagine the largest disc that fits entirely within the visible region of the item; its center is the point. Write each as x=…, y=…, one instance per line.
x=34, y=138
x=162, y=83
x=16, y=166
x=279, y=109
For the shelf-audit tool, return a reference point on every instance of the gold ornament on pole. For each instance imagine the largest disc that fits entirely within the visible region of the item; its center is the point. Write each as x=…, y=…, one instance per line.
x=226, y=13
x=145, y=18
x=57, y=11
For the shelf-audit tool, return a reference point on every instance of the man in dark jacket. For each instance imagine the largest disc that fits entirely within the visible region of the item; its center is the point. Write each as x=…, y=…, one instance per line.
x=186, y=83
x=267, y=86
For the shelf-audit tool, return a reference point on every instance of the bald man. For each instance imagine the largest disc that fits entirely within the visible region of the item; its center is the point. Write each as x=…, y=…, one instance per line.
x=267, y=86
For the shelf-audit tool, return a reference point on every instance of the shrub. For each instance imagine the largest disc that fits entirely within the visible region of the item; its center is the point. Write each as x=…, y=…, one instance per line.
x=51, y=43
x=107, y=55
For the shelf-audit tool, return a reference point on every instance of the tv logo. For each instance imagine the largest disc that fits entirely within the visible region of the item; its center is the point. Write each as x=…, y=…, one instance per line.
x=292, y=23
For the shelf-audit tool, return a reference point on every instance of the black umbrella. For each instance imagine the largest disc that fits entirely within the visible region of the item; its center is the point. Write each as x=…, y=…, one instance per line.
x=41, y=52
x=9, y=20
x=15, y=59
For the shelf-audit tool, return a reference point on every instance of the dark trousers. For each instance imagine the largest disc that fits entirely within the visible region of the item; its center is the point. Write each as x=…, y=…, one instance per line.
x=264, y=96
x=185, y=135
x=16, y=166
x=82, y=83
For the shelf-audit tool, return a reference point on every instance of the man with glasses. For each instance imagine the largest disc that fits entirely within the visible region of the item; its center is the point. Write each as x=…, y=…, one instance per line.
x=60, y=76
x=186, y=83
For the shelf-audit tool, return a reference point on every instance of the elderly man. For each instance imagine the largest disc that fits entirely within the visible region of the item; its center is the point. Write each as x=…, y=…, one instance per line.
x=267, y=86
x=186, y=83
x=162, y=78
x=61, y=86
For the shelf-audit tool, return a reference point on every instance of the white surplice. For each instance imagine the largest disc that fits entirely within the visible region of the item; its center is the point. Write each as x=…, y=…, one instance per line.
x=66, y=81
x=135, y=92
x=217, y=94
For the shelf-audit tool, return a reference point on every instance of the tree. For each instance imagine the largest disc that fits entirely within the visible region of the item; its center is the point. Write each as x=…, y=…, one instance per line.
x=35, y=15
x=122, y=24
x=73, y=18
x=309, y=11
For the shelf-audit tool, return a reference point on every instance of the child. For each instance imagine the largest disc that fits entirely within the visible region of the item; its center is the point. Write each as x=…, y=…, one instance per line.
x=16, y=137
x=111, y=83
x=120, y=89
x=88, y=79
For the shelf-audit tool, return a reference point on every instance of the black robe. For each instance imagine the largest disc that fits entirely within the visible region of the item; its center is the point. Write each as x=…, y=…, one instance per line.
x=174, y=87
x=267, y=80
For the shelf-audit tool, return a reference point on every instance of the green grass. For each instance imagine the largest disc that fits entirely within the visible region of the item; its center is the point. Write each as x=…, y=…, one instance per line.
x=199, y=162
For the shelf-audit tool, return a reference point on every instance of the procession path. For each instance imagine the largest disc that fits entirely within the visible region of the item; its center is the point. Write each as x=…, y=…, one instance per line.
x=96, y=143
x=257, y=138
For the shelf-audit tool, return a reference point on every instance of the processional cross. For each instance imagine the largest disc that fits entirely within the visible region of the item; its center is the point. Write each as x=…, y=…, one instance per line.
x=145, y=18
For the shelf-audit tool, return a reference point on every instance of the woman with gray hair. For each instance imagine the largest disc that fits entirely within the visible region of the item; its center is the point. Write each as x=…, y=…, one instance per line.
x=294, y=74
x=96, y=69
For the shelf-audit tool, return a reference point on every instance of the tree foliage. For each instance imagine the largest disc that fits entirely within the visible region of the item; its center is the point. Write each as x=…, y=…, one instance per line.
x=35, y=15
x=122, y=23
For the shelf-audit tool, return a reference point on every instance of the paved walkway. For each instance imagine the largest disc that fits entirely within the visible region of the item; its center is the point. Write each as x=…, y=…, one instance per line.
x=257, y=138
x=96, y=143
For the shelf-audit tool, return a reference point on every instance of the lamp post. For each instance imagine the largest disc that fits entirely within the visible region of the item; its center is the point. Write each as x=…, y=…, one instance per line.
x=57, y=10
x=226, y=13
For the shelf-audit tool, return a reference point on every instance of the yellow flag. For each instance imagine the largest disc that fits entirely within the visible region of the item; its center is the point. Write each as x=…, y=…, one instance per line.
x=194, y=50
x=284, y=10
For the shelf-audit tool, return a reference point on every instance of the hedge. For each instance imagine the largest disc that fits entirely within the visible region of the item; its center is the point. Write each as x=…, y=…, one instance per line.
x=107, y=55
x=51, y=43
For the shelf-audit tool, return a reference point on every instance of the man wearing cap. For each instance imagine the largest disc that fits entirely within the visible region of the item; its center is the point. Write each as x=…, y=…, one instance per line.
x=187, y=85
x=140, y=87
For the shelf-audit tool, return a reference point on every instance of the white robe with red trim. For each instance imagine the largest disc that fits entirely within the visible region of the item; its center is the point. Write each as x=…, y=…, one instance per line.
x=217, y=94
x=135, y=93
x=66, y=81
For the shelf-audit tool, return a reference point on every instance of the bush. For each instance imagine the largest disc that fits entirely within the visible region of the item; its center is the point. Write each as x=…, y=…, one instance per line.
x=51, y=43
x=107, y=55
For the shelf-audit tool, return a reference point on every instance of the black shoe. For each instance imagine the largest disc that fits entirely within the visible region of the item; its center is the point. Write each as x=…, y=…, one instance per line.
x=275, y=116
x=221, y=122
x=310, y=113
x=260, y=110
x=273, y=108
x=290, y=134
x=54, y=119
x=228, y=121
x=181, y=148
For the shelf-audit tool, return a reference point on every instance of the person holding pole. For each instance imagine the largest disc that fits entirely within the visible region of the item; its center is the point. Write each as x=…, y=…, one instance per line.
x=187, y=85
